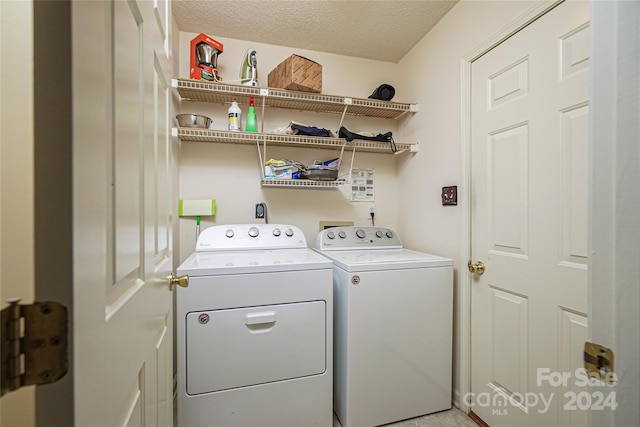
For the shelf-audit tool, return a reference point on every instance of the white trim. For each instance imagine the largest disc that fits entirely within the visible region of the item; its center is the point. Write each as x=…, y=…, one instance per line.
x=533, y=13
x=614, y=175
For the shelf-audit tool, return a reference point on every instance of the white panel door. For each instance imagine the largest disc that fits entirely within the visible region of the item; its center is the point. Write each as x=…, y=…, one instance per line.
x=122, y=215
x=17, y=254
x=529, y=147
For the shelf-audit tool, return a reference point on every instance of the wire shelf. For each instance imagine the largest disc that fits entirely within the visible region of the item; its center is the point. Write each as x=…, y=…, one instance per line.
x=203, y=91
x=237, y=137
x=302, y=183
x=198, y=90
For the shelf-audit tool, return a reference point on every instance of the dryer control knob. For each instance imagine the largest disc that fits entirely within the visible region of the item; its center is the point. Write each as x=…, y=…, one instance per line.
x=253, y=232
x=276, y=232
x=389, y=234
x=379, y=234
x=360, y=233
x=229, y=233
x=342, y=235
x=289, y=232
x=331, y=235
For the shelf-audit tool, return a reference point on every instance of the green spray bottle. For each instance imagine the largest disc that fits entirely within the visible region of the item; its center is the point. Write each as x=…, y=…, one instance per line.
x=251, y=121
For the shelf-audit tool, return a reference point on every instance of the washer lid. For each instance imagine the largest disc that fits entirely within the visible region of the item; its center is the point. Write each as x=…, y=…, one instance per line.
x=382, y=259
x=256, y=261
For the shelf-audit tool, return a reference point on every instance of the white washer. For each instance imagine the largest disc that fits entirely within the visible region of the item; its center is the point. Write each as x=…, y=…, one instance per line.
x=393, y=322
x=254, y=330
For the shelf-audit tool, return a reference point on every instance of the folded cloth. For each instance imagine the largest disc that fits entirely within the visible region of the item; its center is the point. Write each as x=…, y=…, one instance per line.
x=310, y=130
x=295, y=128
x=277, y=165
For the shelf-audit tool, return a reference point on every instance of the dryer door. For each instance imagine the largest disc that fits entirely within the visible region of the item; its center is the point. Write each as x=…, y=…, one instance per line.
x=241, y=347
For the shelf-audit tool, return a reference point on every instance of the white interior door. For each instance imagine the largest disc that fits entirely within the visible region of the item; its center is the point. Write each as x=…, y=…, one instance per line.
x=529, y=145
x=16, y=180
x=122, y=215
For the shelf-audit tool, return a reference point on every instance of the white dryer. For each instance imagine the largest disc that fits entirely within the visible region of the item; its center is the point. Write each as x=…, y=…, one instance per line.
x=393, y=323
x=254, y=330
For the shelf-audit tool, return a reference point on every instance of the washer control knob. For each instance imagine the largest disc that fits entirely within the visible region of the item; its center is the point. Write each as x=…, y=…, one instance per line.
x=360, y=233
x=289, y=232
x=253, y=232
x=389, y=234
x=331, y=235
x=342, y=234
x=229, y=233
x=379, y=234
x=276, y=232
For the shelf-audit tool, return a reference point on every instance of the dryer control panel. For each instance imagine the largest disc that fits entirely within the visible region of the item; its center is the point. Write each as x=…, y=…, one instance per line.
x=250, y=236
x=355, y=238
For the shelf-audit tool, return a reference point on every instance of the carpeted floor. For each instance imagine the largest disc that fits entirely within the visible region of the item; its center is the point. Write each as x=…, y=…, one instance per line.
x=451, y=418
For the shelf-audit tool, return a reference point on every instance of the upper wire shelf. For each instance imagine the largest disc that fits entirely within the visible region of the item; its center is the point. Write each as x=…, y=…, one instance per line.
x=198, y=90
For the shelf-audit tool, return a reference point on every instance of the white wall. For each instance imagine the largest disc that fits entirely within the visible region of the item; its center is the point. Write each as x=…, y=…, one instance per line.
x=408, y=186
x=431, y=71
x=230, y=173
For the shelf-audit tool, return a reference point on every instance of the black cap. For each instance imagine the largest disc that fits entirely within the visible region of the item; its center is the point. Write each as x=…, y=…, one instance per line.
x=384, y=92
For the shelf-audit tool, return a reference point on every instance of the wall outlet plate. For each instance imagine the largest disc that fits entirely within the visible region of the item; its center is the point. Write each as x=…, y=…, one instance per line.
x=260, y=210
x=450, y=196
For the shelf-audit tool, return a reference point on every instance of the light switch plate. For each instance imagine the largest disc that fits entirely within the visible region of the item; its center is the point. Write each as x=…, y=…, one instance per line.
x=450, y=196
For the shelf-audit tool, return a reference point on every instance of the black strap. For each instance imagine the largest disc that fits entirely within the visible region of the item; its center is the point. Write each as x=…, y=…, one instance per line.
x=350, y=136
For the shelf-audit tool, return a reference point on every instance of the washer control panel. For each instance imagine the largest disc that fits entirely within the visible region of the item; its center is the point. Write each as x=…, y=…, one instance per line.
x=250, y=236
x=355, y=238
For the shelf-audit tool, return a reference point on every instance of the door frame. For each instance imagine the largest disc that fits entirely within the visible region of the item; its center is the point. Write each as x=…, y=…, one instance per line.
x=615, y=201
x=529, y=16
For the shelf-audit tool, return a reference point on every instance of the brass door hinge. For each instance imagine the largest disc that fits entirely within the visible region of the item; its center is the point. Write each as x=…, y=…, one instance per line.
x=34, y=344
x=598, y=361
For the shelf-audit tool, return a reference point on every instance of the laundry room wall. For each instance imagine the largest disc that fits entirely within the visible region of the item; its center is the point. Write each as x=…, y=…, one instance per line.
x=230, y=173
x=407, y=186
x=431, y=71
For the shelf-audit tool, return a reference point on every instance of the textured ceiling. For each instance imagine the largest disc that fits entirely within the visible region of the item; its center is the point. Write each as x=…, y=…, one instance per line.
x=379, y=30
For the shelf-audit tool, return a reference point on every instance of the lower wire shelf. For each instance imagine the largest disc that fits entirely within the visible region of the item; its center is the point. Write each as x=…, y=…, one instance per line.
x=302, y=183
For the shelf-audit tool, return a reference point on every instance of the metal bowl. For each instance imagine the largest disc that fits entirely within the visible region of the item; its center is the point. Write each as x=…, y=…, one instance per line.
x=193, y=121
